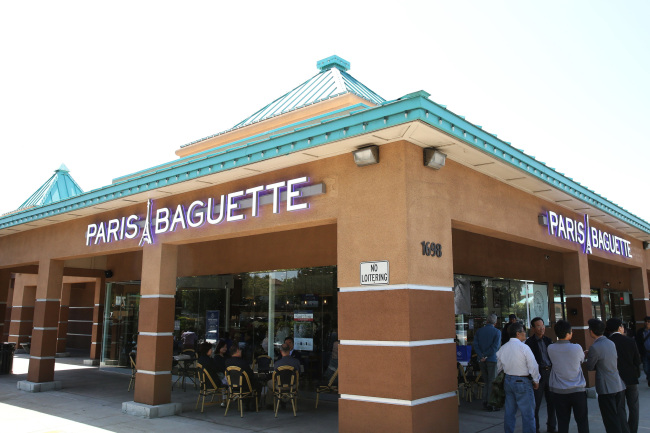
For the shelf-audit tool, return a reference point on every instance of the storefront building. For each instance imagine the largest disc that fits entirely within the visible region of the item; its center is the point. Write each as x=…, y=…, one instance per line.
x=394, y=227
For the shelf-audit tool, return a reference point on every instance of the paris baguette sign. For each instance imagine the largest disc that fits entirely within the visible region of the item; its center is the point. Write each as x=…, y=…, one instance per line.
x=587, y=236
x=199, y=212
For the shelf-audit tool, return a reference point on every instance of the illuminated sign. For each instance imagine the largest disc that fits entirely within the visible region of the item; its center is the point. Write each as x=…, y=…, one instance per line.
x=589, y=237
x=199, y=212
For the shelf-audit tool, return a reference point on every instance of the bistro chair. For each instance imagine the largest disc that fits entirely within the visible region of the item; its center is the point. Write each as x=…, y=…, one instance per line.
x=464, y=385
x=332, y=386
x=134, y=370
x=285, y=387
x=239, y=388
x=207, y=387
x=263, y=364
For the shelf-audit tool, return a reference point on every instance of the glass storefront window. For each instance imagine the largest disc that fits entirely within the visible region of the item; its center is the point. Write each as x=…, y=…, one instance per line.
x=559, y=302
x=120, y=323
x=477, y=297
x=258, y=310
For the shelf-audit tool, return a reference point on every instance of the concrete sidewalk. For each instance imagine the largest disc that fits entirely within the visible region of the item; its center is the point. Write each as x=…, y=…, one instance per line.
x=91, y=401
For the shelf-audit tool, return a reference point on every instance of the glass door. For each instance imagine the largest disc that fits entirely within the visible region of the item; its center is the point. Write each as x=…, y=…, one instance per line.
x=120, y=323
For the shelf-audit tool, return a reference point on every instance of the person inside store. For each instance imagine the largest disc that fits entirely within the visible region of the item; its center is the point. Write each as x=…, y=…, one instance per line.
x=215, y=368
x=505, y=336
x=643, y=344
x=487, y=342
x=522, y=378
x=236, y=360
x=286, y=359
x=538, y=343
x=189, y=339
x=567, y=382
x=602, y=358
x=629, y=368
x=294, y=353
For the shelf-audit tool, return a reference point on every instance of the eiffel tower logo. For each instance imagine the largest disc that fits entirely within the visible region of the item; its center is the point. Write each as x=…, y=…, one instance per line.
x=146, y=232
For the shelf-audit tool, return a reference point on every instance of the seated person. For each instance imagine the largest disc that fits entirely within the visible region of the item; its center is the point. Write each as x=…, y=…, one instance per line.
x=287, y=359
x=237, y=361
x=221, y=353
x=293, y=353
x=211, y=365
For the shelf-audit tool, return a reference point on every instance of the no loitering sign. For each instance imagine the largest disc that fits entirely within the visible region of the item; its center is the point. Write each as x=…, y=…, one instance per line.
x=373, y=273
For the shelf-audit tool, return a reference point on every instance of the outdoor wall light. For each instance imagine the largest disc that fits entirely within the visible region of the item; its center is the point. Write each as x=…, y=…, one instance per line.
x=366, y=156
x=646, y=245
x=542, y=219
x=434, y=158
x=108, y=273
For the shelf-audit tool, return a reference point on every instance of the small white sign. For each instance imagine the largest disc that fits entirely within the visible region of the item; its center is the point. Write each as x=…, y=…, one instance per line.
x=373, y=273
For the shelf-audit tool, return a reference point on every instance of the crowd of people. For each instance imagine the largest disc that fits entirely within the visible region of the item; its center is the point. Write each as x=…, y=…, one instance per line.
x=537, y=369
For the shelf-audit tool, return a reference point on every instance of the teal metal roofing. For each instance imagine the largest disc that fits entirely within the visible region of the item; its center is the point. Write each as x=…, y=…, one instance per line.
x=413, y=107
x=331, y=81
x=59, y=187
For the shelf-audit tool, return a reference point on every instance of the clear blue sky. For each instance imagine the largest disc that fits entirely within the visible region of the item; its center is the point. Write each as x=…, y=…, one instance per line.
x=113, y=88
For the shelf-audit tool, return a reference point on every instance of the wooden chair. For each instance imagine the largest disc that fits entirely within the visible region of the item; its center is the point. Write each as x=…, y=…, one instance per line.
x=332, y=386
x=134, y=370
x=464, y=385
x=207, y=387
x=239, y=388
x=285, y=386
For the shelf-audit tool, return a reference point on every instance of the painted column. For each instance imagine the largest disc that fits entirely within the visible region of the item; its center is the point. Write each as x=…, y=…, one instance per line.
x=98, y=317
x=22, y=312
x=397, y=362
x=5, y=282
x=63, y=319
x=156, y=325
x=577, y=291
x=639, y=286
x=46, y=318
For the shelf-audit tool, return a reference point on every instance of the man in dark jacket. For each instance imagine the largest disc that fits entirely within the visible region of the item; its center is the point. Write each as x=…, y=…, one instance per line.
x=629, y=368
x=237, y=361
x=538, y=344
x=643, y=344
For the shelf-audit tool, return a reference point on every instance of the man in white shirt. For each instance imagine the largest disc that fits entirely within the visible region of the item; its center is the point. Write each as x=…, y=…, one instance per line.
x=522, y=377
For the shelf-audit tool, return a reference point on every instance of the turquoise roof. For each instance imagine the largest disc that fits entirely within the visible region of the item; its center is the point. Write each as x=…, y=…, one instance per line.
x=317, y=132
x=59, y=187
x=332, y=80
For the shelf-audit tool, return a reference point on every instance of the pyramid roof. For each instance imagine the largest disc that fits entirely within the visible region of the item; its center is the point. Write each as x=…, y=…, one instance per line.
x=59, y=186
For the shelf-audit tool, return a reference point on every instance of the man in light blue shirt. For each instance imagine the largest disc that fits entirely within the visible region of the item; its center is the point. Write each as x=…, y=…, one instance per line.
x=566, y=381
x=486, y=344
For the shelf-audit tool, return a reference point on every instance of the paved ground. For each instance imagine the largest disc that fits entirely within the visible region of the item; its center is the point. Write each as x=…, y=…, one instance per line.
x=91, y=401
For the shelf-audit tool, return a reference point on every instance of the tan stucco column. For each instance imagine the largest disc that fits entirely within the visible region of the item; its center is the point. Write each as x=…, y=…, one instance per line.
x=155, y=341
x=98, y=319
x=46, y=318
x=397, y=362
x=64, y=311
x=22, y=311
x=5, y=281
x=577, y=290
x=639, y=286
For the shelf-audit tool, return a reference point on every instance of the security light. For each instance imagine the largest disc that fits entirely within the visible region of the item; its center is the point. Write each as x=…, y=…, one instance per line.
x=366, y=156
x=434, y=158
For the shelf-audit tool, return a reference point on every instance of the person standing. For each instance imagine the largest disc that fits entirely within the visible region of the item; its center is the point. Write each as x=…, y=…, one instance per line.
x=486, y=344
x=566, y=381
x=538, y=344
x=505, y=335
x=522, y=378
x=602, y=357
x=643, y=344
x=629, y=368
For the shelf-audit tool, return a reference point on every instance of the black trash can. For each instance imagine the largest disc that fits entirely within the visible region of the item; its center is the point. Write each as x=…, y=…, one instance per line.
x=7, y=357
